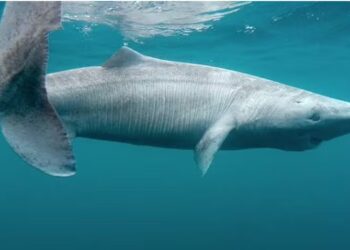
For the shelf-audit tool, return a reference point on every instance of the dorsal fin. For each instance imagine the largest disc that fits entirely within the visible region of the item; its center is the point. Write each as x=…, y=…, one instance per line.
x=124, y=57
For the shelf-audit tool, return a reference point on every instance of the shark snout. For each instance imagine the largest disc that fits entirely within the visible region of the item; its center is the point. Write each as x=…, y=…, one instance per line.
x=334, y=121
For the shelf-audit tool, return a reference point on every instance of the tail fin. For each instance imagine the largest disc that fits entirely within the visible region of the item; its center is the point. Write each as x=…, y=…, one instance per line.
x=29, y=122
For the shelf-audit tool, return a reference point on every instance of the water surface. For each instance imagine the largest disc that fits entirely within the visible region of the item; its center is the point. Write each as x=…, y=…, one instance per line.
x=133, y=197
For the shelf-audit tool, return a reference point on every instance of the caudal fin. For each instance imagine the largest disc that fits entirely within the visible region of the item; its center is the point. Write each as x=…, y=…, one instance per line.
x=29, y=122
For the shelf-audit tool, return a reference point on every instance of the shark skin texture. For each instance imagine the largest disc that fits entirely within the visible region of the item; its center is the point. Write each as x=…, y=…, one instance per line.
x=138, y=99
x=143, y=100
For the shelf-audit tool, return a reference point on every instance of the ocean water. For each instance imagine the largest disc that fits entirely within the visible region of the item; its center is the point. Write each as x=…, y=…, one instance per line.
x=136, y=197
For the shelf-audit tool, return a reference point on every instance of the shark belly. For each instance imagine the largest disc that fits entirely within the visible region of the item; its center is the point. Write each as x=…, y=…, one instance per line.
x=149, y=106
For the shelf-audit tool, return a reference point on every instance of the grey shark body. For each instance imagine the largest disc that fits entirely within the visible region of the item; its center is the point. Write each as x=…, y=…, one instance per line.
x=142, y=100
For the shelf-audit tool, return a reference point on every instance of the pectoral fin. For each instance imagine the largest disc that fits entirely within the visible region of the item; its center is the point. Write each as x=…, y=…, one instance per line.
x=211, y=143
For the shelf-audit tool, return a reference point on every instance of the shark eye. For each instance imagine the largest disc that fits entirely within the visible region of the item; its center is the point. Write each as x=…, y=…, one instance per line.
x=315, y=117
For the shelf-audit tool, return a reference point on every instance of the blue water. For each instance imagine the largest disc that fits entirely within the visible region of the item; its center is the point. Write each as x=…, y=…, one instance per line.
x=134, y=197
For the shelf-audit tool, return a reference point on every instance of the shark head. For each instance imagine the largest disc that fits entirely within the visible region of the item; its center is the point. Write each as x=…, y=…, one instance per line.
x=324, y=119
x=303, y=121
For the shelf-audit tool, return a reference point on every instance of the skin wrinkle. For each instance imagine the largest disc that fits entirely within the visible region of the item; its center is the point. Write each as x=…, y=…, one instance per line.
x=171, y=104
x=167, y=123
x=163, y=107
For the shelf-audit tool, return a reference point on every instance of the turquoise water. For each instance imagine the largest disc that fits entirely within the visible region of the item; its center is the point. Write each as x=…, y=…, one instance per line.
x=133, y=197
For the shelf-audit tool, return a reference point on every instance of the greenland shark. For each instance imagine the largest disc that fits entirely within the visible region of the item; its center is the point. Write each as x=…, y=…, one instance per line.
x=138, y=99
